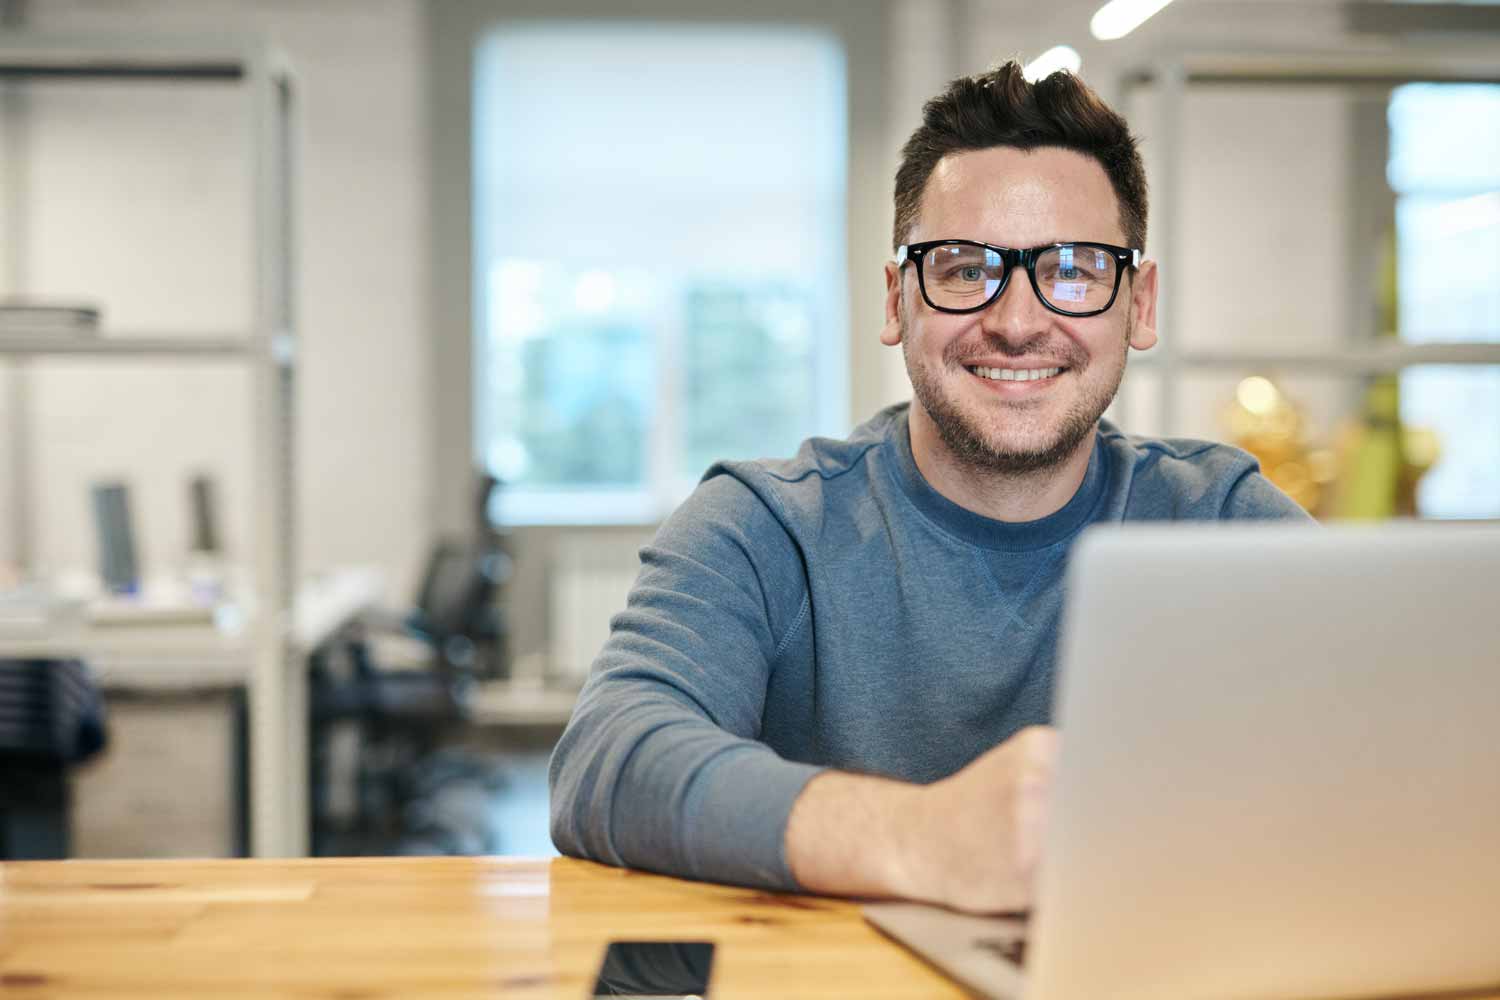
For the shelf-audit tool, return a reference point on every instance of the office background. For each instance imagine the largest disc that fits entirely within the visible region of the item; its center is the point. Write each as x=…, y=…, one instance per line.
x=441, y=249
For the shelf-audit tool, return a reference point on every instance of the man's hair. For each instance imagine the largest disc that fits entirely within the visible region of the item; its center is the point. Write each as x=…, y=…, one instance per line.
x=1003, y=108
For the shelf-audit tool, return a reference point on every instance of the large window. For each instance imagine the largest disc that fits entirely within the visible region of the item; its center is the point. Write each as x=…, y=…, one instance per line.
x=660, y=260
x=1445, y=169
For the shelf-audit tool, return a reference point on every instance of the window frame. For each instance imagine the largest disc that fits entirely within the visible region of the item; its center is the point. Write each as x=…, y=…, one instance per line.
x=1424, y=335
x=454, y=32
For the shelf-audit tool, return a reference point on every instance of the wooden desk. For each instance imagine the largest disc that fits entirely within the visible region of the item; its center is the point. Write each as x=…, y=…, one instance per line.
x=396, y=928
x=399, y=927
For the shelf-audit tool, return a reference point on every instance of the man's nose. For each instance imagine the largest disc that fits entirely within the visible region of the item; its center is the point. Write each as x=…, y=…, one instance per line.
x=1016, y=314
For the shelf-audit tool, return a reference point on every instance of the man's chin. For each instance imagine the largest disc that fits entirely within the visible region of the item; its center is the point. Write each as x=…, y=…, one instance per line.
x=1012, y=453
x=1039, y=457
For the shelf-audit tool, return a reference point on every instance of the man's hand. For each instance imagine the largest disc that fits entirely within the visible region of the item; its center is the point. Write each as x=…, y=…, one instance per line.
x=972, y=841
x=980, y=844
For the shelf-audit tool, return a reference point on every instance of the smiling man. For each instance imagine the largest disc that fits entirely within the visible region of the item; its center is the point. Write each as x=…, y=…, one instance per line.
x=835, y=671
x=1011, y=381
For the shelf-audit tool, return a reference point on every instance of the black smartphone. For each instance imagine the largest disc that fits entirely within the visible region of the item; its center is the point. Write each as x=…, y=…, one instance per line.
x=666, y=970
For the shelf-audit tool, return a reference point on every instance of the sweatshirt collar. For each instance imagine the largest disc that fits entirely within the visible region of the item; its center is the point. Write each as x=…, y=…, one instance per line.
x=976, y=529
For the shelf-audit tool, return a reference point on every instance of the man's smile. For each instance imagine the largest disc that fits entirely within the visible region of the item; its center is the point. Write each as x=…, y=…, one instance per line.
x=1019, y=381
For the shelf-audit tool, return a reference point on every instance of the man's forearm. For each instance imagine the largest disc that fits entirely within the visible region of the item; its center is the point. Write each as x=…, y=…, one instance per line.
x=971, y=841
x=854, y=835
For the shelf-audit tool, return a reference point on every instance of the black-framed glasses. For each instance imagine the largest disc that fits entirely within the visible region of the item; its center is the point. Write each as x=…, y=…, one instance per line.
x=1074, y=279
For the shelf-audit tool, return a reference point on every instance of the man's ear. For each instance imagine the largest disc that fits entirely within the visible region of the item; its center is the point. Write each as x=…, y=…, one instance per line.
x=1143, y=307
x=890, y=334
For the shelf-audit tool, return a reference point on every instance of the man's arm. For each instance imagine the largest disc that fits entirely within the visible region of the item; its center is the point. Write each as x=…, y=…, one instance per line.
x=971, y=841
x=661, y=766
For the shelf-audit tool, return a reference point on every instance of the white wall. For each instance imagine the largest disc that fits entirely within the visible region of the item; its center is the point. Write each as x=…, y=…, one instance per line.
x=138, y=198
x=1260, y=168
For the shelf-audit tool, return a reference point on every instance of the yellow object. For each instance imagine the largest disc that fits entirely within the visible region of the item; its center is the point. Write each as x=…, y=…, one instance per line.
x=1264, y=422
x=1372, y=457
x=1380, y=462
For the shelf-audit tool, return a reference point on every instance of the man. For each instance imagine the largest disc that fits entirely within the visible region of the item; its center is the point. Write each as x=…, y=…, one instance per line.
x=835, y=672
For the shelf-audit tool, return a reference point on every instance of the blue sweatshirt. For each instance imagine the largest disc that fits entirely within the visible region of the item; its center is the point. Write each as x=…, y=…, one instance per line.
x=834, y=610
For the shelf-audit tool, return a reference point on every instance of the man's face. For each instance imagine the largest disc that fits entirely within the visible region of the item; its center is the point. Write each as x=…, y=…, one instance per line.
x=1011, y=198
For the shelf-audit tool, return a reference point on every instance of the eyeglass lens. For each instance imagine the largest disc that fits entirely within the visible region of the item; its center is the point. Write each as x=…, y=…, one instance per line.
x=1072, y=277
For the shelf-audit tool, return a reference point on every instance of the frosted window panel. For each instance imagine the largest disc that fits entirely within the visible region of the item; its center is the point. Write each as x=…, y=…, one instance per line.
x=1462, y=406
x=1444, y=137
x=1445, y=166
x=660, y=230
x=1449, y=267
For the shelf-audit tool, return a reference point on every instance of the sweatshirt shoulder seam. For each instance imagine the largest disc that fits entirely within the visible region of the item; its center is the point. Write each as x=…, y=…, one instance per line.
x=848, y=467
x=1162, y=447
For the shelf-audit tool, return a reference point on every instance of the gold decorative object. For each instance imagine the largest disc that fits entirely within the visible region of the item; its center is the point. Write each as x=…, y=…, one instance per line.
x=1264, y=422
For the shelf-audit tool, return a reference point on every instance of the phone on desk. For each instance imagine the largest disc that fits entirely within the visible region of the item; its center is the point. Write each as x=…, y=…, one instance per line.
x=662, y=970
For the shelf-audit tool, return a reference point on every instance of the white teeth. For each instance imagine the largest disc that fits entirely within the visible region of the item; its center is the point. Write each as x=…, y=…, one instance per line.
x=1015, y=374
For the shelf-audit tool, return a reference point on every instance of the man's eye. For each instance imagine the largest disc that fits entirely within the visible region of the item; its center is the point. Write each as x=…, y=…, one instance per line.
x=971, y=273
x=1065, y=272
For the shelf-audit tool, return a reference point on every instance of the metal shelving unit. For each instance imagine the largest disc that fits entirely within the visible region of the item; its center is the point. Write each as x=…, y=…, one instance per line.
x=277, y=688
x=1376, y=68
x=32, y=345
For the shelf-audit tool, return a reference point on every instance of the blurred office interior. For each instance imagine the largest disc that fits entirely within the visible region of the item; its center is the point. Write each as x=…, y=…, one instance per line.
x=587, y=252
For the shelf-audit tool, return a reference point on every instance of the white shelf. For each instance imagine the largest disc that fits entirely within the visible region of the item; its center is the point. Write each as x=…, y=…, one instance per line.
x=1375, y=359
x=1457, y=61
x=64, y=345
x=39, y=56
x=266, y=347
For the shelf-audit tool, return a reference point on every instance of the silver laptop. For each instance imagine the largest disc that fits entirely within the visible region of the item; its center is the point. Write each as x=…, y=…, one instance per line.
x=1279, y=775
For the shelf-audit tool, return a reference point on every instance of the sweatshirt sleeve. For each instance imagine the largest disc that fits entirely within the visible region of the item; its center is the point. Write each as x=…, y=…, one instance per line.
x=660, y=766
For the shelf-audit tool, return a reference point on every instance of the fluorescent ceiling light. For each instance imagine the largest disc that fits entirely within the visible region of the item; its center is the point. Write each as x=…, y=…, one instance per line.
x=1119, y=18
x=1049, y=62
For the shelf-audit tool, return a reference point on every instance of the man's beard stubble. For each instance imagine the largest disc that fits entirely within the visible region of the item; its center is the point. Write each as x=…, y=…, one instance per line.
x=967, y=443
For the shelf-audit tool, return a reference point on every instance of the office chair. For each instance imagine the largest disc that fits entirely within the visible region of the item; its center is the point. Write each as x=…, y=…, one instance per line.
x=403, y=716
x=51, y=719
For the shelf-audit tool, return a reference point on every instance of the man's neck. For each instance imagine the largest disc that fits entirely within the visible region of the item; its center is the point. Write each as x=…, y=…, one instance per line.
x=1001, y=496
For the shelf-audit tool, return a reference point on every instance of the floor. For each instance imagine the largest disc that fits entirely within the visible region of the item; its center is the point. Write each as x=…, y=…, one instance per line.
x=520, y=809
x=483, y=794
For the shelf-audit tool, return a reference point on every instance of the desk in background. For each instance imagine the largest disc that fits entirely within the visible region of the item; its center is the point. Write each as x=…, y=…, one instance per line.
x=186, y=659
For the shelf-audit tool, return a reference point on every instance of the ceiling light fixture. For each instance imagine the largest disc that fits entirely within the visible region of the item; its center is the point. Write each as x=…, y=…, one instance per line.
x=1049, y=62
x=1119, y=18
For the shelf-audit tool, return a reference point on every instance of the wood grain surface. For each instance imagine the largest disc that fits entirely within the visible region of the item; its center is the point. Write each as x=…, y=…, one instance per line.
x=375, y=928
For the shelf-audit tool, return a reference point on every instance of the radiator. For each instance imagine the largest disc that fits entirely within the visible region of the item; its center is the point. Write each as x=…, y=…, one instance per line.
x=590, y=579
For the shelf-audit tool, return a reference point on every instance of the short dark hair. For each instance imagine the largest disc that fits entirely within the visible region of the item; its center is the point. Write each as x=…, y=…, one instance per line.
x=1003, y=108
